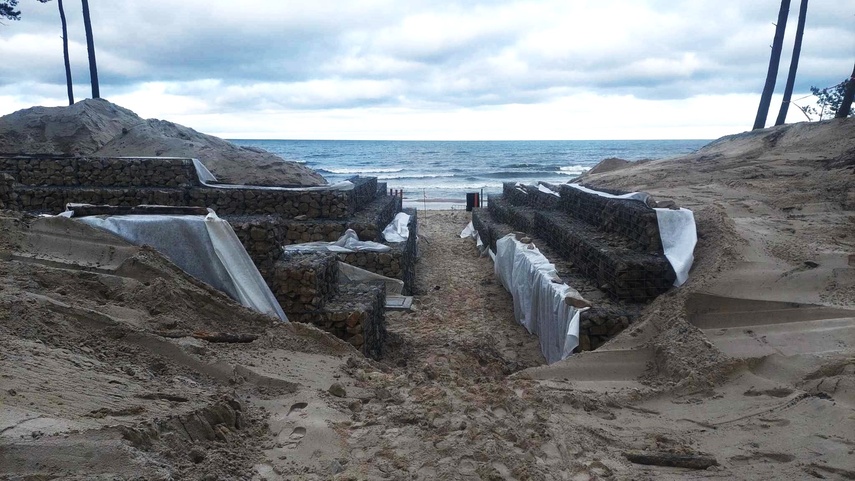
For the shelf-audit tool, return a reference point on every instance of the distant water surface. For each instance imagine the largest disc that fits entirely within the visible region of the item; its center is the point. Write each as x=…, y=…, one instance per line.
x=449, y=169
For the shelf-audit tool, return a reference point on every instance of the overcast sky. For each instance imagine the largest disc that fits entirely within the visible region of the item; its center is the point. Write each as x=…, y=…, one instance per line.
x=437, y=69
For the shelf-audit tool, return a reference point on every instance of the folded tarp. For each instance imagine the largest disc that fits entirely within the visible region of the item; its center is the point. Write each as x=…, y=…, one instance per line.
x=539, y=303
x=676, y=229
x=397, y=230
x=205, y=247
x=348, y=242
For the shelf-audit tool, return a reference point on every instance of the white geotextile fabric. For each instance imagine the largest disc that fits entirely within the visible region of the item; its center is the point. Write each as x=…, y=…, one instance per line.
x=547, y=190
x=676, y=229
x=397, y=230
x=348, y=242
x=204, y=247
x=469, y=231
x=394, y=287
x=538, y=301
x=209, y=180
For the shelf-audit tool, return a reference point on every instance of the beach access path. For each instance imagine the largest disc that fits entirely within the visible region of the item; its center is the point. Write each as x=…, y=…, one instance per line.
x=462, y=313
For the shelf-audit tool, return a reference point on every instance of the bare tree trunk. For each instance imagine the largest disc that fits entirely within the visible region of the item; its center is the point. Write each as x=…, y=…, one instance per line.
x=848, y=95
x=90, y=46
x=774, y=60
x=794, y=65
x=68, y=81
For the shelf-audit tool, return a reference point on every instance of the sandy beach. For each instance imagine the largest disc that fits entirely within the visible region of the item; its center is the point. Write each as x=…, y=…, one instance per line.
x=745, y=372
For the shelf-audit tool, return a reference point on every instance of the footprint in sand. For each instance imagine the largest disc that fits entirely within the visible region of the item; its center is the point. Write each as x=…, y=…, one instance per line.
x=298, y=433
x=294, y=439
x=297, y=407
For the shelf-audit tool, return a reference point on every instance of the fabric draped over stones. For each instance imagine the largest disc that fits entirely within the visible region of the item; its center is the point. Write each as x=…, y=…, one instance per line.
x=538, y=299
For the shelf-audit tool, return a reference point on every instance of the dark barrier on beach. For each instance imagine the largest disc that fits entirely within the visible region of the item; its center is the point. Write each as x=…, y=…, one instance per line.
x=472, y=201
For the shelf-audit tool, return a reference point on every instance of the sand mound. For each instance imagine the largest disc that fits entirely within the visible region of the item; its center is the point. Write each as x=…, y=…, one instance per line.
x=98, y=127
x=608, y=165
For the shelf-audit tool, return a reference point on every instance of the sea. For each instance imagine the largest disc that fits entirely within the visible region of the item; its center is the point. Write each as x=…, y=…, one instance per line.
x=439, y=174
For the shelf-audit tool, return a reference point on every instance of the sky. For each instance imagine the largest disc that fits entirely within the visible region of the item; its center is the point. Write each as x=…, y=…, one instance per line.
x=429, y=69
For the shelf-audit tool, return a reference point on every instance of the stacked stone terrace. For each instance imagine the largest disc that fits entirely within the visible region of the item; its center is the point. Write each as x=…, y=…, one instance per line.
x=607, y=249
x=307, y=286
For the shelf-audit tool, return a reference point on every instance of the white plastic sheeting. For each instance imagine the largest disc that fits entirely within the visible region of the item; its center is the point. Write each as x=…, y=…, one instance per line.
x=397, y=230
x=204, y=247
x=676, y=229
x=538, y=301
x=469, y=231
x=547, y=190
x=348, y=242
x=639, y=196
x=394, y=287
x=209, y=180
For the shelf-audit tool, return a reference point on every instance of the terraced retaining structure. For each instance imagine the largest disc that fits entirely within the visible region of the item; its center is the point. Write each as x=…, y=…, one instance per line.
x=608, y=249
x=264, y=220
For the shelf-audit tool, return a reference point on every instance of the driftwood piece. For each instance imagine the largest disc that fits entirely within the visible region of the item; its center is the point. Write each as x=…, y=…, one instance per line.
x=690, y=461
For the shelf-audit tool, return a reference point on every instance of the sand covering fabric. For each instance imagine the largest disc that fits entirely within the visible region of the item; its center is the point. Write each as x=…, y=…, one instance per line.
x=538, y=297
x=208, y=179
x=204, y=247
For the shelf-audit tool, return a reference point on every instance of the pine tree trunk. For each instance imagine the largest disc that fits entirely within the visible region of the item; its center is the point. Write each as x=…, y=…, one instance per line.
x=90, y=46
x=774, y=60
x=848, y=95
x=794, y=65
x=65, y=54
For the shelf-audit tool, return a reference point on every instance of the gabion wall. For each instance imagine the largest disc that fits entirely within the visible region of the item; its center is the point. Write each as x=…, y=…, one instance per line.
x=306, y=285
x=370, y=221
x=311, y=204
x=100, y=171
x=356, y=315
x=364, y=191
x=489, y=228
x=47, y=183
x=520, y=218
x=53, y=199
x=303, y=282
x=629, y=218
x=261, y=236
x=617, y=269
x=530, y=196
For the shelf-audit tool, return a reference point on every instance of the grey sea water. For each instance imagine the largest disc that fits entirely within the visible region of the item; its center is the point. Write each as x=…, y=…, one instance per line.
x=449, y=169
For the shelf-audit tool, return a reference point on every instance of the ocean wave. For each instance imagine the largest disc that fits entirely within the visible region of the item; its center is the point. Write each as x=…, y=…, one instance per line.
x=497, y=186
x=414, y=176
x=360, y=171
x=530, y=165
x=576, y=169
x=524, y=174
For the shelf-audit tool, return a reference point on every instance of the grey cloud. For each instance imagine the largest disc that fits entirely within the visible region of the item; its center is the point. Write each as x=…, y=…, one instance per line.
x=269, y=59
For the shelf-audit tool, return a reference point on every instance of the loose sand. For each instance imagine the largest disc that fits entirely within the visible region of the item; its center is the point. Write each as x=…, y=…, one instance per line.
x=750, y=364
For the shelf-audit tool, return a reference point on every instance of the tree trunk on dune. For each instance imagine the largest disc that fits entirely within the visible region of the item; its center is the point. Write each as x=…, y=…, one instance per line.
x=848, y=96
x=794, y=65
x=90, y=47
x=68, y=81
x=774, y=60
